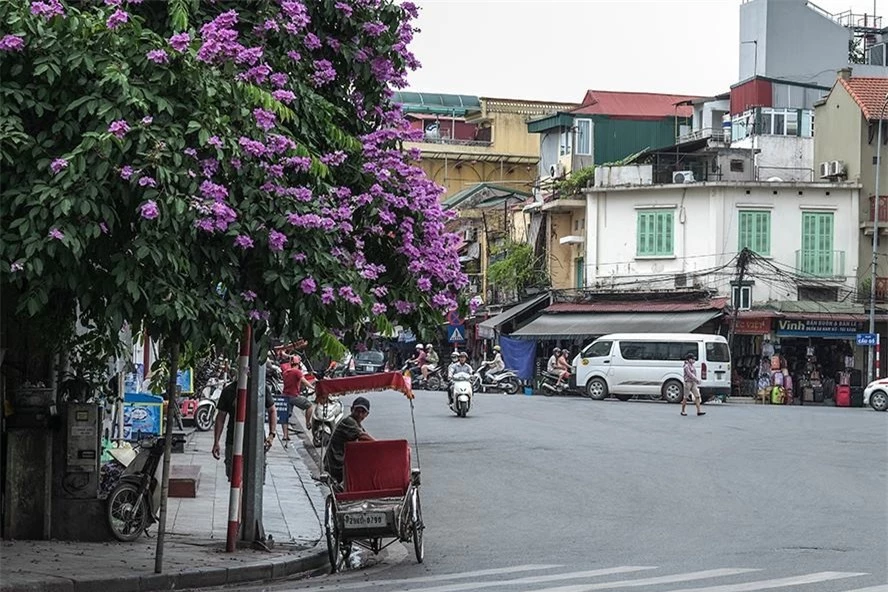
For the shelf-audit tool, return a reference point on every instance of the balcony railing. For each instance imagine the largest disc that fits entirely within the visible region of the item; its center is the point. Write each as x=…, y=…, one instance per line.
x=822, y=264
x=433, y=139
x=714, y=134
x=883, y=208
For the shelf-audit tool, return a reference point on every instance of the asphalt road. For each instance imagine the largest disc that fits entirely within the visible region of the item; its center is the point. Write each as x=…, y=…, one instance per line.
x=567, y=494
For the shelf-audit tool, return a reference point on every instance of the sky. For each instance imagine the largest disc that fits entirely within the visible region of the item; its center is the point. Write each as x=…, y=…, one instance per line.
x=557, y=49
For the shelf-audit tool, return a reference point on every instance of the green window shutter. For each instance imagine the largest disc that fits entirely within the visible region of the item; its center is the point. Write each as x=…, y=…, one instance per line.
x=754, y=232
x=817, y=243
x=655, y=234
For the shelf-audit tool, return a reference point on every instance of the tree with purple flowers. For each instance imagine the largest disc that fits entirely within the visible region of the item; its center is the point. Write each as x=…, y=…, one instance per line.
x=192, y=153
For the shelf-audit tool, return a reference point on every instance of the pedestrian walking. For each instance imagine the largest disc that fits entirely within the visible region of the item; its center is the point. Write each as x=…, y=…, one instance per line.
x=692, y=390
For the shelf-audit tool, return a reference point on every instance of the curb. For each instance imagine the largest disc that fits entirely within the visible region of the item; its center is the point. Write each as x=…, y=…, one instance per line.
x=263, y=571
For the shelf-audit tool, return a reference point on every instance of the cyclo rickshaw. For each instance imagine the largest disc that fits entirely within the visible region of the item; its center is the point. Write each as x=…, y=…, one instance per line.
x=378, y=500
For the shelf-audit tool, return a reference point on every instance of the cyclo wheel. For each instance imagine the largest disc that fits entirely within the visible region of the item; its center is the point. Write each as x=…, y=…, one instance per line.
x=332, y=534
x=127, y=512
x=417, y=527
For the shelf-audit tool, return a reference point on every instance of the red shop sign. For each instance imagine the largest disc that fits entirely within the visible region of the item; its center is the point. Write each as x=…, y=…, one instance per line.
x=753, y=326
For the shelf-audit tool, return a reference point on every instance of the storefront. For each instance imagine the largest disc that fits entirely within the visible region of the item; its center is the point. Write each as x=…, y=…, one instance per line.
x=752, y=330
x=819, y=352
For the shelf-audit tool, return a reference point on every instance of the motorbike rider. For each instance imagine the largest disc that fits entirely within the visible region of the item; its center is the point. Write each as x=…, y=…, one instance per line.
x=461, y=365
x=564, y=365
x=416, y=363
x=496, y=365
x=431, y=361
x=552, y=366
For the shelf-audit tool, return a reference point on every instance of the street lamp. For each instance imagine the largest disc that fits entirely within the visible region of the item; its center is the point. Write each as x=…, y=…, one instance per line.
x=755, y=57
x=872, y=371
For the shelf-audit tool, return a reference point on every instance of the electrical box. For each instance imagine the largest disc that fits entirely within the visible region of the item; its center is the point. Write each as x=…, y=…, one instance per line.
x=83, y=441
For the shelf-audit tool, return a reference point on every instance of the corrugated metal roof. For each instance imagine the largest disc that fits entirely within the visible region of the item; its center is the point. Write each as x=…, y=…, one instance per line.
x=568, y=326
x=869, y=93
x=414, y=102
x=485, y=195
x=637, y=306
x=634, y=104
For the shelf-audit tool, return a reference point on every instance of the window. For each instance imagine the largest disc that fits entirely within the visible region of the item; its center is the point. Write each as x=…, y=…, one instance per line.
x=736, y=166
x=813, y=294
x=579, y=268
x=584, y=136
x=670, y=351
x=598, y=349
x=754, y=232
x=816, y=255
x=717, y=352
x=655, y=233
x=741, y=297
x=565, y=143
x=792, y=123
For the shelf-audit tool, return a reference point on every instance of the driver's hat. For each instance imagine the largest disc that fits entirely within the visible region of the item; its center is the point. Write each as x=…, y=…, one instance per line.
x=361, y=403
x=419, y=346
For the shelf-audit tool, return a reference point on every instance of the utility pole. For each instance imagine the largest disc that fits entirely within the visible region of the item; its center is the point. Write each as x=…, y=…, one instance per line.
x=872, y=369
x=742, y=263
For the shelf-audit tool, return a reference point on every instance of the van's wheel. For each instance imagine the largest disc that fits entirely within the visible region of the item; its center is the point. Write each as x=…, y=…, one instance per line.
x=596, y=389
x=673, y=391
x=879, y=400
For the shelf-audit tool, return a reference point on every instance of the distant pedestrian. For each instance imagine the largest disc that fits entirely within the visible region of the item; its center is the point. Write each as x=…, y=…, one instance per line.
x=692, y=389
x=226, y=410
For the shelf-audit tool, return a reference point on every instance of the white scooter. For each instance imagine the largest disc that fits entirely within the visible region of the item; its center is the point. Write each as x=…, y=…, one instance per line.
x=461, y=393
x=324, y=417
x=205, y=415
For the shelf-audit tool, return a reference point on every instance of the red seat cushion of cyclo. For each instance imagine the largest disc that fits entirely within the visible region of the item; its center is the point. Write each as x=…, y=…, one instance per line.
x=377, y=468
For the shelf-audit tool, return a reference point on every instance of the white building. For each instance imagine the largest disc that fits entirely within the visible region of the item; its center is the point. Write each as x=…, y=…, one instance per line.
x=670, y=236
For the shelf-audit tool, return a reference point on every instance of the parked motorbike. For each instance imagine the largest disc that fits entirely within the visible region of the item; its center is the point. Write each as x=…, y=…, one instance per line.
x=461, y=394
x=133, y=504
x=324, y=417
x=506, y=381
x=205, y=415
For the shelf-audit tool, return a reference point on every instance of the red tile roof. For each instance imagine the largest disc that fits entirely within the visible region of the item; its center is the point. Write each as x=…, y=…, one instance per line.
x=638, y=306
x=635, y=105
x=869, y=93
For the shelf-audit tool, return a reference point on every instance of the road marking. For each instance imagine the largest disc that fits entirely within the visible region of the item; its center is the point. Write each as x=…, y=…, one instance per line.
x=443, y=577
x=878, y=588
x=686, y=577
x=823, y=576
x=531, y=580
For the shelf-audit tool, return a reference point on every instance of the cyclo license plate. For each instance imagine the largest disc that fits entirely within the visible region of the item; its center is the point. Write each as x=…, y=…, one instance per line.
x=363, y=520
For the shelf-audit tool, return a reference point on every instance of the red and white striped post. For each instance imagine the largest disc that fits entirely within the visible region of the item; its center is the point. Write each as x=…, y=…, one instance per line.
x=878, y=373
x=237, y=458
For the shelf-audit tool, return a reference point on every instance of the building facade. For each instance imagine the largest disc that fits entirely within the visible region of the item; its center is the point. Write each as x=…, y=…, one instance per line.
x=845, y=147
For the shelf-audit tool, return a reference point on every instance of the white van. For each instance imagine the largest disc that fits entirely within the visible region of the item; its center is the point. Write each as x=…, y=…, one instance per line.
x=626, y=364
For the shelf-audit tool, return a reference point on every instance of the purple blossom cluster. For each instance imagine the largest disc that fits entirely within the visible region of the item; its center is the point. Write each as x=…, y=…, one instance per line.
x=158, y=56
x=265, y=120
x=12, y=43
x=119, y=128
x=118, y=18
x=180, y=41
x=148, y=210
x=58, y=165
x=219, y=39
x=334, y=158
x=323, y=73
x=48, y=9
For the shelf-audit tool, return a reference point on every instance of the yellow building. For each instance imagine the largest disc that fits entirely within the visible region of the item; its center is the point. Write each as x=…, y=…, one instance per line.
x=469, y=140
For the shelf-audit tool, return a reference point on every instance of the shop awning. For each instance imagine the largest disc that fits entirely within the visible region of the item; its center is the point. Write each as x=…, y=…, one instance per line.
x=486, y=330
x=568, y=326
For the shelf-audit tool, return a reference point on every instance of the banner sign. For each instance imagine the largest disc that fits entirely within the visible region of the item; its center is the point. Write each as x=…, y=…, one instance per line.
x=817, y=328
x=753, y=326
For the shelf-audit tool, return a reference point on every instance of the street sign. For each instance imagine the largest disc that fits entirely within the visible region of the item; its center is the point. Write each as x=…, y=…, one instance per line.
x=456, y=333
x=453, y=318
x=867, y=339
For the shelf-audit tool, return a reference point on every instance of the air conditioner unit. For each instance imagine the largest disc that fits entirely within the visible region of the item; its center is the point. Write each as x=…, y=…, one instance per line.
x=824, y=170
x=836, y=168
x=683, y=177
x=556, y=171
x=470, y=235
x=681, y=280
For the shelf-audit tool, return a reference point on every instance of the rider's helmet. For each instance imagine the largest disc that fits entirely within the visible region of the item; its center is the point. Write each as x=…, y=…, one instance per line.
x=419, y=346
x=454, y=356
x=556, y=351
x=463, y=354
x=496, y=348
x=430, y=346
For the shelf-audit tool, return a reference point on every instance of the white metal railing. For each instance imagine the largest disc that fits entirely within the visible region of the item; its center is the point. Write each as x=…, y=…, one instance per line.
x=713, y=133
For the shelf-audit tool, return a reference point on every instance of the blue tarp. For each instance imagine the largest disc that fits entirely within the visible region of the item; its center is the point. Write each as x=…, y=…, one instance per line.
x=519, y=356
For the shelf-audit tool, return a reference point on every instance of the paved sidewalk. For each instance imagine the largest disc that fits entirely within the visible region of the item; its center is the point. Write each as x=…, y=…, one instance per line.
x=194, y=549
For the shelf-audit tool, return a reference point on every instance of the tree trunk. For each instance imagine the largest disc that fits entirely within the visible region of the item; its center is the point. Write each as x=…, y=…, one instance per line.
x=167, y=452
